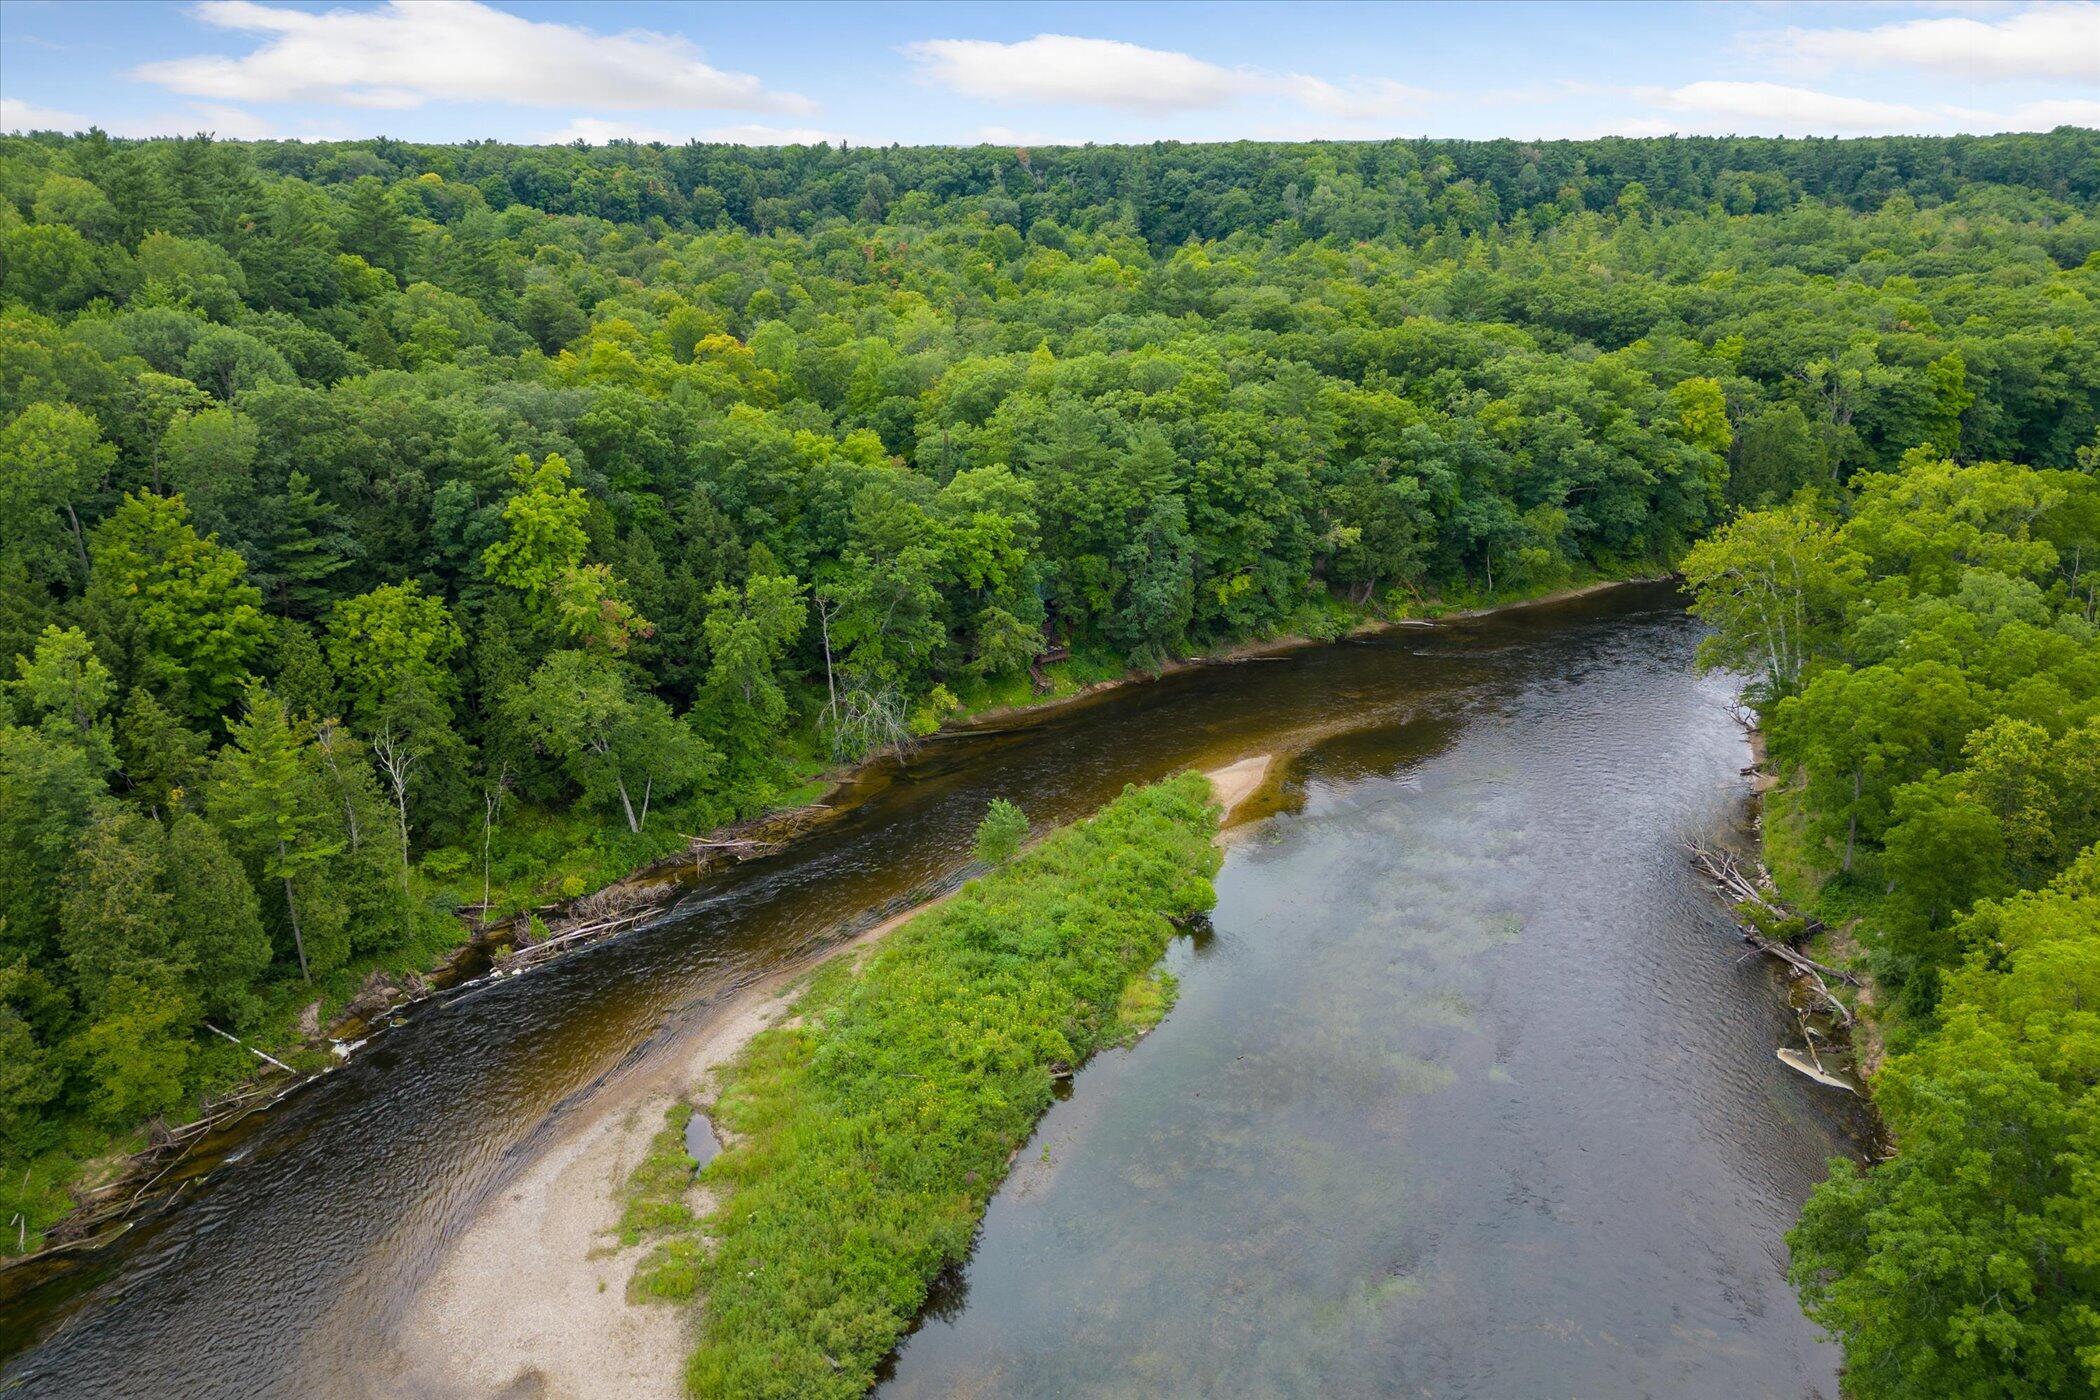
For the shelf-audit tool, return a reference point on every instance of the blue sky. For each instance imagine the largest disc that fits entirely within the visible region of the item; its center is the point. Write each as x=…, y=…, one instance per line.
x=1042, y=74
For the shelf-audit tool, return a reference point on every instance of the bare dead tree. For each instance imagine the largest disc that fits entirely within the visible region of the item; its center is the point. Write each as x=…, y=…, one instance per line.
x=397, y=758
x=330, y=740
x=491, y=803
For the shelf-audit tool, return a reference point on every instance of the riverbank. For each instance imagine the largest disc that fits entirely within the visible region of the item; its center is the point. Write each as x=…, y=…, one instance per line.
x=113, y=1189
x=1008, y=716
x=1843, y=1011
x=1797, y=882
x=534, y=1297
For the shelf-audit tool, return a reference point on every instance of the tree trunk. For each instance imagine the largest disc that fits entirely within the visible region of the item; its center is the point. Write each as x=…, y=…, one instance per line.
x=324, y=739
x=401, y=806
x=77, y=543
x=626, y=805
x=1851, y=823
x=488, y=821
x=396, y=760
x=830, y=685
x=291, y=907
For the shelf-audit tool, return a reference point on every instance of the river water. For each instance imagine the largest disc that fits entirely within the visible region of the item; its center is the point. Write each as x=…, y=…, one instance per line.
x=1469, y=1090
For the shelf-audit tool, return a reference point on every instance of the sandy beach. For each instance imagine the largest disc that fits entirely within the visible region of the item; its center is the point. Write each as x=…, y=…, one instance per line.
x=532, y=1299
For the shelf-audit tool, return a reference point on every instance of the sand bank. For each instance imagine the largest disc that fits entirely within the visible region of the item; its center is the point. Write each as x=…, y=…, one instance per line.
x=531, y=1300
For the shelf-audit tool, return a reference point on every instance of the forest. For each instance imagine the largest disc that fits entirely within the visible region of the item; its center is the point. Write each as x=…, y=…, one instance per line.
x=391, y=533
x=1927, y=673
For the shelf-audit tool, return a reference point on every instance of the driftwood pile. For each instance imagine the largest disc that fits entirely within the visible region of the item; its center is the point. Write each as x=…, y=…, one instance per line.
x=1726, y=874
x=167, y=1148
x=609, y=911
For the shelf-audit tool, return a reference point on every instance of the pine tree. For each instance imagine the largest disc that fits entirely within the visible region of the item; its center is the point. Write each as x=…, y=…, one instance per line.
x=216, y=917
x=160, y=755
x=262, y=793
x=307, y=545
x=113, y=915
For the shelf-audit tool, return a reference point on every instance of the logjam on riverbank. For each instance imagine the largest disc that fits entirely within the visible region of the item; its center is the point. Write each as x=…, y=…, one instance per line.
x=1758, y=910
x=1725, y=873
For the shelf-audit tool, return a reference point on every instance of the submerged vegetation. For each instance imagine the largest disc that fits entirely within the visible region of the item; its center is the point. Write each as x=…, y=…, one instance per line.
x=867, y=1134
x=1929, y=679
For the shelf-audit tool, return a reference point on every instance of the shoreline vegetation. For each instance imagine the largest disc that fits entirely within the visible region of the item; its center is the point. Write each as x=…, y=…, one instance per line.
x=563, y=1283
x=399, y=529
x=111, y=1191
x=1926, y=677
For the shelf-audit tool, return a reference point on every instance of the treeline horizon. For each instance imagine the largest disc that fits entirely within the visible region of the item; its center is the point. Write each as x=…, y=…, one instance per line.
x=384, y=527
x=1171, y=191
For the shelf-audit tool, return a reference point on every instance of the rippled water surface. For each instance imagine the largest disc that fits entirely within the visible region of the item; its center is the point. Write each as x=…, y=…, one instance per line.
x=1468, y=1093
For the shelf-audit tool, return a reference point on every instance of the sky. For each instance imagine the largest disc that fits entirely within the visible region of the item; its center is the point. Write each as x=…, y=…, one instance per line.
x=1041, y=74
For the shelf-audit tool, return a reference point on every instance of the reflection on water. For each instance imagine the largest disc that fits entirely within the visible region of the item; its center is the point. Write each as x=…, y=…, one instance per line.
x=1467, y=1094
x=1467, y=1091
x=701, y=1144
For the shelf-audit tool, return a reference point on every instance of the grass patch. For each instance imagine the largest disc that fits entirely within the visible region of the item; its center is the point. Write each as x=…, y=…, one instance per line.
x=655, y=1206
x=1145, y=1002
x=869, y=1133
x=655, y=1193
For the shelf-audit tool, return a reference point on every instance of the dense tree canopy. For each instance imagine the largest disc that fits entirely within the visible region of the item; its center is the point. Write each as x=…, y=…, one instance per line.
x=357, y=499
x=1930, y=678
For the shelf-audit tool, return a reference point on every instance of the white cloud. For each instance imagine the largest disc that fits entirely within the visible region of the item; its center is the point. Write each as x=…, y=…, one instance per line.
x=17, y=115
x=597, y=131
x=229, y=123
x=1774, y=107
x=2053, y=112
x=1357, y=99
x=1094, y=72
x=2051, y=41
x=1008, y=136
x=2041, y=115
x=1066, y=70
x=1723, y=108
x=406, y=53
x=758, y=134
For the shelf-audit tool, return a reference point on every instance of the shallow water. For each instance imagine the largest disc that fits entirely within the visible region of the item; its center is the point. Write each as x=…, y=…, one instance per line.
x=1469, y=1092
x=701, y=1144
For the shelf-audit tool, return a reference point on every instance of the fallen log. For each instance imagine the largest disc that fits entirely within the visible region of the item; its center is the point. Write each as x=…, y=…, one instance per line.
x=271, y=1059
x=1724, y=872
x=1795, y=1060
x=756, y=847
x=1726, y=876
x=534, y=952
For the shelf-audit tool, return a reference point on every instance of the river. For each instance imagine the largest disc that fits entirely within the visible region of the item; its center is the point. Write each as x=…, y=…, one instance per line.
x=1469, y=1090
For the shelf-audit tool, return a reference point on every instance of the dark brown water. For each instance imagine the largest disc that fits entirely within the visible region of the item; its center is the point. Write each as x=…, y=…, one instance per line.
x=1469, y=1093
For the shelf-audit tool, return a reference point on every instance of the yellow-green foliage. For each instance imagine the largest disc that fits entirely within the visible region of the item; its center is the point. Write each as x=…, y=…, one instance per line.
x=1145, y=1002
x=870, y=1133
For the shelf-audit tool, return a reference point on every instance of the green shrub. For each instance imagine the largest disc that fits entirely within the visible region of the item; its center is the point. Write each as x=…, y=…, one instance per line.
x=870, y=1130
x=1000, y=834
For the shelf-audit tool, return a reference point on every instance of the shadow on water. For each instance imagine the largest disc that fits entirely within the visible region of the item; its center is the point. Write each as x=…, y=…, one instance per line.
x=1454, y=1008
